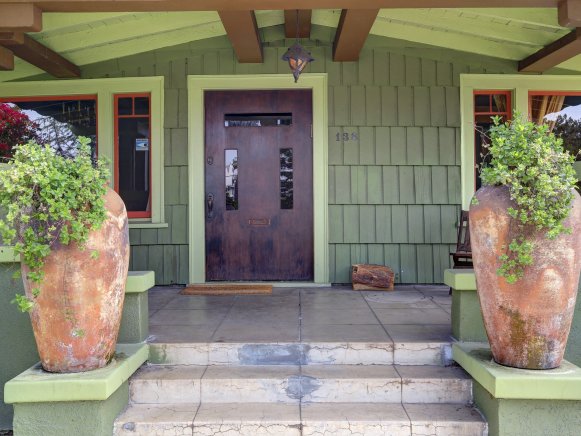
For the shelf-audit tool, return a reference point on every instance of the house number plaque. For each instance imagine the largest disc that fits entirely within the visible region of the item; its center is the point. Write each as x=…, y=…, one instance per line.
x=347, y=136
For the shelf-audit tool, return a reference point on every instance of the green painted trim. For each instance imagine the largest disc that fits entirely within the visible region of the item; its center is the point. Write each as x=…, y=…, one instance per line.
x=520, y=85
x=7, y=254
x=139, y=281
x=461, y=279
x=147, y=225
x=563, y=383
x=105, y=90
x=37, y=386
x=196, y=87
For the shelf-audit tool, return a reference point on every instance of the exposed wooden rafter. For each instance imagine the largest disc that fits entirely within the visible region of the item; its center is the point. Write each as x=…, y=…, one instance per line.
x=242, y=31
x=304, y=23
x=353, y=29
x=224, y=5
x=38, y=55
x=23, y=17
x=570, y=13
x=554, y=54
x=6, y=59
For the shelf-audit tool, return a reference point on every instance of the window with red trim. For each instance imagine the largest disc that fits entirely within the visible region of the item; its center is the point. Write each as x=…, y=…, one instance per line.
x=487, y=104
x=60, y=120
x=133, y=152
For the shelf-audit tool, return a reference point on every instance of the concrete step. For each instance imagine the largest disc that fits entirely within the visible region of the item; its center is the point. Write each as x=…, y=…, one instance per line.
x=293, y=384
x=295, y=353
x=316, y=419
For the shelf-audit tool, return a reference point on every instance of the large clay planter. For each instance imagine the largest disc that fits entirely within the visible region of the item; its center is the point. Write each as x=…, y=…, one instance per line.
x=77, y=315
x=527, y=322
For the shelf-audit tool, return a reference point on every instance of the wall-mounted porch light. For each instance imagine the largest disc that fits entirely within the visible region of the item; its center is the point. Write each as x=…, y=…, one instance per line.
x=296, y=56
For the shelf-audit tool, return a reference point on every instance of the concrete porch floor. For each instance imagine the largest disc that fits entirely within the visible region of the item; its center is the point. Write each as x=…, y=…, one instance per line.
x=410, y=313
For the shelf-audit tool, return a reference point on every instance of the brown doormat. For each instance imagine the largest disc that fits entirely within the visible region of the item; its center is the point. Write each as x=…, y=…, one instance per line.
x=222, y=289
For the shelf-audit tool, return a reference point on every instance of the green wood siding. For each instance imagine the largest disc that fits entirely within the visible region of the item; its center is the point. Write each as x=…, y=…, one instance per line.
x=394, y=144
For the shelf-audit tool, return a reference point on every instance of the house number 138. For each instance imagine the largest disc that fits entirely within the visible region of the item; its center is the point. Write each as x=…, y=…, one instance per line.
x=346, y=136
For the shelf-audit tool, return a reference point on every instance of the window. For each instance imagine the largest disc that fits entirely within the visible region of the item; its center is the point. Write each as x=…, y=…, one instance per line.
x=133, y=153
x=61, y=120
x=99, y=109
x=562, y=112
x=487, y=104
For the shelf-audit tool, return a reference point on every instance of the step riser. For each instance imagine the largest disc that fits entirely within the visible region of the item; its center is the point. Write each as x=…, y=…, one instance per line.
x=377, y=428
x=302, y=388
x=301, y=354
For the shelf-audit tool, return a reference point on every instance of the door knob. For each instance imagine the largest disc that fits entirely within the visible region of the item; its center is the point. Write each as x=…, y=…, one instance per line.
x=210, y=205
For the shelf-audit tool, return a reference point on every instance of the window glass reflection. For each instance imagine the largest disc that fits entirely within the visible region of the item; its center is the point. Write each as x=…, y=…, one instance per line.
x=59, y=122
x=286, y=178
x=562, y=113
x=231, y=175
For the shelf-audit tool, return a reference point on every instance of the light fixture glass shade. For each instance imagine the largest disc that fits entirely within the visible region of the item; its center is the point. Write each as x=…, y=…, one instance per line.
x=297, y=58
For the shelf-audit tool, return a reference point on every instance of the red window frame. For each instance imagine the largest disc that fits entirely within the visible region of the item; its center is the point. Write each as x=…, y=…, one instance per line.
x=131, y=214
x=490, y=112
x=62, y=97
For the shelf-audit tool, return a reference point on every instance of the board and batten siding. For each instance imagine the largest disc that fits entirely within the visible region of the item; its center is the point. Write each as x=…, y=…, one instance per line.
x=394, y=150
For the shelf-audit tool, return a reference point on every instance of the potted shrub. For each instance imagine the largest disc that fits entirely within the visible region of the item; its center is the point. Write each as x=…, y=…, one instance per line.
x=71, y=232
x=525, y=230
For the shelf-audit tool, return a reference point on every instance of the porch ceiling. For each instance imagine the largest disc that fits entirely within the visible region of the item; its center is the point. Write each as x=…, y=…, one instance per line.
x=86, y=38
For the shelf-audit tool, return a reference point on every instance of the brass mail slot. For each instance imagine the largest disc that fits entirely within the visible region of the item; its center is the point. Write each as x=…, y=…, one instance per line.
x=259, y=222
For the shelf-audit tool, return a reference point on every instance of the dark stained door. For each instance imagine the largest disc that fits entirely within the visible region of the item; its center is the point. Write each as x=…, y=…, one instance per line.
x=259, y=185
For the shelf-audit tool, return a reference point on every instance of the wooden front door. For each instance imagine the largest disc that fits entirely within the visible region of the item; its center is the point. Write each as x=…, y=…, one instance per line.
x=259, y=185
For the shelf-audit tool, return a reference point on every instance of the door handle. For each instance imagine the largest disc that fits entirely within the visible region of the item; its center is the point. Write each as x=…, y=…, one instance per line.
x=210, y=202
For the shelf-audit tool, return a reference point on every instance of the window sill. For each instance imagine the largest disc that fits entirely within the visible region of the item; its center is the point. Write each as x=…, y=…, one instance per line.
x=147, y=225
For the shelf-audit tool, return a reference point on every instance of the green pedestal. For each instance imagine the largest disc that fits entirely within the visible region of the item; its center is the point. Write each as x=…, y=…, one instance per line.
x=78, y=404
x=135, y=319
x=523, y=402
x=467, y=322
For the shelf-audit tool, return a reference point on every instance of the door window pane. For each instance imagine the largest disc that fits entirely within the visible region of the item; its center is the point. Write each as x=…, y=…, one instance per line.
x=133, y=157
x=286, y=178
x=231, y=175
x=258, y=120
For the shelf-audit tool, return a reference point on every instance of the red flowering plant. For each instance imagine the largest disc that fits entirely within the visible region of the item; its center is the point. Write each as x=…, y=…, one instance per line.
x=15, y=128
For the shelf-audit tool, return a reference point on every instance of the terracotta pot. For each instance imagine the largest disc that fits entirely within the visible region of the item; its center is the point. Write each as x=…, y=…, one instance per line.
x=527, y=322
x=77, y=315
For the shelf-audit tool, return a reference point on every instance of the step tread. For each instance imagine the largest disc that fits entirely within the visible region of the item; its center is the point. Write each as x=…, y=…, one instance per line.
x=314, y=418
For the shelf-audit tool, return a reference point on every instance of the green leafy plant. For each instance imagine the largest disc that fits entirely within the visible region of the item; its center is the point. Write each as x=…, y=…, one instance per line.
x=49, y=199
x=532, y=163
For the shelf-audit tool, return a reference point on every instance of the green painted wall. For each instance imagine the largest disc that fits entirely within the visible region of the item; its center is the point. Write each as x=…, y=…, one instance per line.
x=18, y=349
x=394, y=172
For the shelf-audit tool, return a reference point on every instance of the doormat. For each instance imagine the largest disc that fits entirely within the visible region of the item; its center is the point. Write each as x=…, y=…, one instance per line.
x=222, y=289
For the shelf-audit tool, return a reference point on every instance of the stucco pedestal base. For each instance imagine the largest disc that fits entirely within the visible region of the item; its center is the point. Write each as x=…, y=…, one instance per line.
x=467, y=322
x=79, y=404
x=523, y=402
x=135, y=319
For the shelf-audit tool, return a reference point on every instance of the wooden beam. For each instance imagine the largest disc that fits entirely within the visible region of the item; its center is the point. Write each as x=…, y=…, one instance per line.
x=23, y=17
x=242, y=31
x=569, y=13
x=304, y=23
x=6, y=59
x=229, y=5
x=553, y=54
x=354, y=26
x=39, y=55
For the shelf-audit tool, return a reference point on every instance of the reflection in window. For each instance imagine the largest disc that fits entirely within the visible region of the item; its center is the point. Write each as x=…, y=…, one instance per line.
x=258, y=120
x=132, y=165
x=61, y=121
x=563, y=115
x=231, y=174
x=487, y=104
x=286, y=178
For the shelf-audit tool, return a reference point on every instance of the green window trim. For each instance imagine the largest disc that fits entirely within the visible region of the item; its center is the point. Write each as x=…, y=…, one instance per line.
x=105, y=89
x=521, y=86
